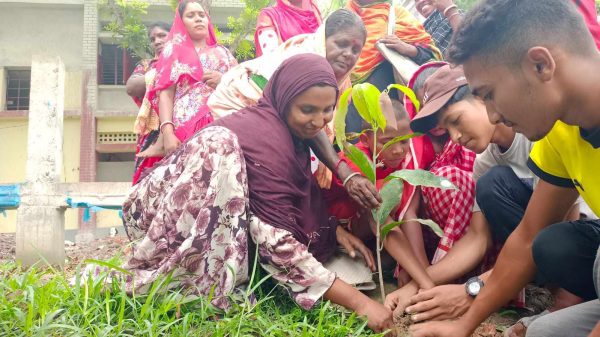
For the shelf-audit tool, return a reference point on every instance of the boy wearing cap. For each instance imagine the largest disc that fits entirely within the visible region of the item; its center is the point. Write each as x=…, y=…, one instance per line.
x=538, y=73
x=504, y=182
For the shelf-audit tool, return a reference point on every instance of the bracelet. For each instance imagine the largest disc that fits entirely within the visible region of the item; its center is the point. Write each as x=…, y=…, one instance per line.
x=452, y=15
x=349, y=177
x=449, y=8
x=165, y=123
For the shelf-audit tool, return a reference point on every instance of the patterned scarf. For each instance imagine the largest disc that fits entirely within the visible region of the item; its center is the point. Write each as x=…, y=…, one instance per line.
x=282, y=190
x=375, y=17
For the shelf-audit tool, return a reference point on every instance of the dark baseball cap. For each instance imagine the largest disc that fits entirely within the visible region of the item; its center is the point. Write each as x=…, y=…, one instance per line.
x=438, y=90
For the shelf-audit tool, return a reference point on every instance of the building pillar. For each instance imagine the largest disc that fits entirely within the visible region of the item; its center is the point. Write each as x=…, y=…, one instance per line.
x=40, y=216
x=89, y=92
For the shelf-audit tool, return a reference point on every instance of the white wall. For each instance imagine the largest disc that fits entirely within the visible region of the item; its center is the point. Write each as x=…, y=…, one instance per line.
x=35, y=28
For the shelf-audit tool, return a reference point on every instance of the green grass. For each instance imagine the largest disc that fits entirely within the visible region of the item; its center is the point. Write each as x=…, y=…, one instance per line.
x=39, y=301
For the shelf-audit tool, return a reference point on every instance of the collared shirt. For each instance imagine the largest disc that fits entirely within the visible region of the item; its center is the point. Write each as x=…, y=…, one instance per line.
x=440, y=30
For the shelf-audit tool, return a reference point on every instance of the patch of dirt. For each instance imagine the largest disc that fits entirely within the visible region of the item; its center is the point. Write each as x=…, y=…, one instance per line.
x=99, y=249
x=7, y=247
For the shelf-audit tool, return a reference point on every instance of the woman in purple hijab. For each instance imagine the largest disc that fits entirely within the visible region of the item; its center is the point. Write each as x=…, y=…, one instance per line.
x=248, y=173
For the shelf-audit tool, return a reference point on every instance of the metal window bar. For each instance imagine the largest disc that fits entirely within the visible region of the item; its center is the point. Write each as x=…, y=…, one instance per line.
x=115, y=65
x=17, y=89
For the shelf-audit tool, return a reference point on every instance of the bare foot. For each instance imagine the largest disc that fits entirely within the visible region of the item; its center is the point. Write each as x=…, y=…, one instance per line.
x=155, y=150
x=517, y=330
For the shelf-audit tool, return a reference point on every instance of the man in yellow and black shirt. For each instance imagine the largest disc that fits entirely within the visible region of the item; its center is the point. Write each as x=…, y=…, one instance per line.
x=569, y=156
x=536, y=67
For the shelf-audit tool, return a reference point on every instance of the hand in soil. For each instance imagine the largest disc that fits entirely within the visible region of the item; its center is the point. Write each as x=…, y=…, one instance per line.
x=379, y=318
x=441, y=302
x=398, y=300
x=439, y=329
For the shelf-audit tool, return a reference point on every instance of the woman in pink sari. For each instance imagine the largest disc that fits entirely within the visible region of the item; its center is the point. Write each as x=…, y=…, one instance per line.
x=286, y=19
x=190, y=67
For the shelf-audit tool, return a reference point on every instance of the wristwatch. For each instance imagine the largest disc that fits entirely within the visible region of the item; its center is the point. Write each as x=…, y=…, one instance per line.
x=473, y=286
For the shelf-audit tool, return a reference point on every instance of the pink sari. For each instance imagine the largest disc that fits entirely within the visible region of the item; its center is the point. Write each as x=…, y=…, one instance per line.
x=180, y=64
x=287, y=21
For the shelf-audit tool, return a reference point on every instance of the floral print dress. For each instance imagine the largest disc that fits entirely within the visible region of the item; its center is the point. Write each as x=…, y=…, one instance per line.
x=191, y=97
x=190, y=216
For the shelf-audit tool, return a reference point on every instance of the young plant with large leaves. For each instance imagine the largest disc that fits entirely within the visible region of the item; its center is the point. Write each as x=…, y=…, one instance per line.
x=366, y=99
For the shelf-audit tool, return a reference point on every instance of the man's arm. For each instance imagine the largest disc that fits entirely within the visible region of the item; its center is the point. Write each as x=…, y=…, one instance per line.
x=515, y=266
x=466, y=253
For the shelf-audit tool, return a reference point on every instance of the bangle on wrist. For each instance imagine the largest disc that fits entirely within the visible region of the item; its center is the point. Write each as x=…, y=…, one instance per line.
x=160, y=128
x=449, y=8
x=349, y=177
x=452, y=15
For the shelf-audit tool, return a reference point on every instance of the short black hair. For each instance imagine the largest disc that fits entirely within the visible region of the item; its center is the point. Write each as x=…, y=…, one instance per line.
x=342, y=19
x=424, y=75
x=504, y=30
x=160, y=24
x=183, y=4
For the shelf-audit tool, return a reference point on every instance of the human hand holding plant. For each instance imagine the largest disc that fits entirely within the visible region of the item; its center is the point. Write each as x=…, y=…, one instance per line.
x=366, y=99
x=363, y=192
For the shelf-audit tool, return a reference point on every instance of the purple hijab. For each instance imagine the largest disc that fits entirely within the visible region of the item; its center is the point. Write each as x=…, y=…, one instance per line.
x=283, y=192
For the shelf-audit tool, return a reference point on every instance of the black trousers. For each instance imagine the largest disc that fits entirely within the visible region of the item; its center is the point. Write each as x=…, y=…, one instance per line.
x=564, y=253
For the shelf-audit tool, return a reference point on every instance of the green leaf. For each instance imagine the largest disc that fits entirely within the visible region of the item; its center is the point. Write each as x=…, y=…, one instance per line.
x=339, y=123
x=361, y=160
x=408, y=93
x=422, y=178
x=398, y=139
x=365, y=97
x=355, y=135
x=387, y=228
x=391, y=194
x=431, y=224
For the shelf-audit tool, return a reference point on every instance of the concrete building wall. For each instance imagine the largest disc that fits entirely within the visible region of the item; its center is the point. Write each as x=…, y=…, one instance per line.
x=27, y=29
x=114, y=98
x=70, y=29
x=14, y=152
x=14, y=158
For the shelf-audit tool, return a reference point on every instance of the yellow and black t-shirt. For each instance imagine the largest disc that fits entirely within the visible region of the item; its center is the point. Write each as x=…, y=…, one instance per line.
x=570, y=157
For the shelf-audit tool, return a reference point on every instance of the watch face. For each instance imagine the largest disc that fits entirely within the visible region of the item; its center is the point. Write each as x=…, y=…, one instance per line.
x=474, y=288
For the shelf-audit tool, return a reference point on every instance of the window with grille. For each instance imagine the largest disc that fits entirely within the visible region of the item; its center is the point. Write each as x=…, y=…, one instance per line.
x=116, y=137
x=18, y=83
x=115, y=65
